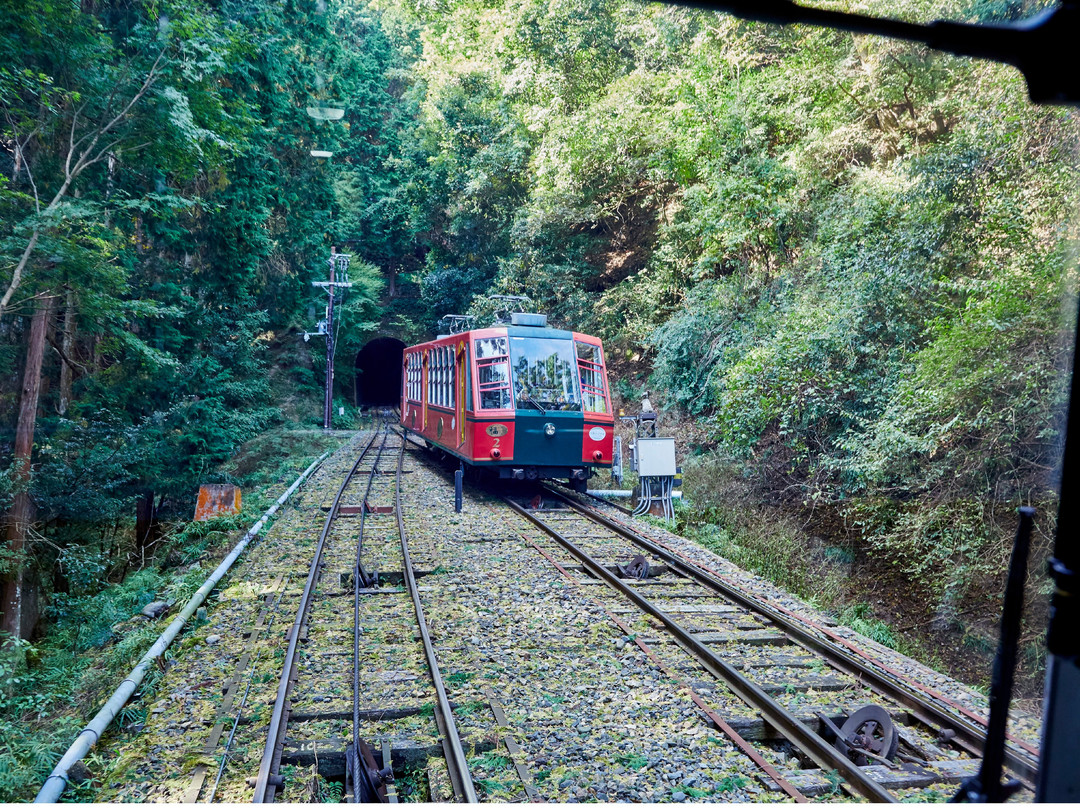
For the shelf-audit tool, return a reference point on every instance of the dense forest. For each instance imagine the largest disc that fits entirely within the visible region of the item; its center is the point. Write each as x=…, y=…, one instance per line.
x=840, y=263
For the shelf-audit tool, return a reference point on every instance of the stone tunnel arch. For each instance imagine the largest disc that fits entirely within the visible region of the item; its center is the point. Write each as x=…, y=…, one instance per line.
x=378, y=373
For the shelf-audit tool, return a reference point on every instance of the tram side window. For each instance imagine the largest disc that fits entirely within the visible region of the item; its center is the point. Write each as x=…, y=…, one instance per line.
x=451, y=377
x=441, y=373
x=412, y=377
x=493, y=374
x=446, y=378
x=433, y=377
x=430, y=376
x=591, y=368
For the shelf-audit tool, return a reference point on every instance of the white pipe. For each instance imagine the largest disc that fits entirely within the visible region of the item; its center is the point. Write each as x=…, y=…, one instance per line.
x=676, y=494
x=57, y=781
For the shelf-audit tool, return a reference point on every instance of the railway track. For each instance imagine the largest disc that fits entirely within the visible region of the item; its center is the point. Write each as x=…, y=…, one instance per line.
x=502, y=654
x=932, y=706
x=715, y=623
x=371, y=495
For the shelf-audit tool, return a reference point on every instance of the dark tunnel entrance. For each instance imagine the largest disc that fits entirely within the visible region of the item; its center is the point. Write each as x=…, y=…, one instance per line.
x=378, y=373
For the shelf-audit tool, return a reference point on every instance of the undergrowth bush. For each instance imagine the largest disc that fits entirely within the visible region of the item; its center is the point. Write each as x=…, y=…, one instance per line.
x=729, y=519
x=85, y=619
x=940, y=548
x=860, y=617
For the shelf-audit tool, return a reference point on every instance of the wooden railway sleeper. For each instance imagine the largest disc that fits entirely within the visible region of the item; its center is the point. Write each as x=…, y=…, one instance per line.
x=387, y=756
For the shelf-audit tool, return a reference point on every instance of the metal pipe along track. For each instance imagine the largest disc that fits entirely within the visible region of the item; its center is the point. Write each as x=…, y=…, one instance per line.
x=57, y=781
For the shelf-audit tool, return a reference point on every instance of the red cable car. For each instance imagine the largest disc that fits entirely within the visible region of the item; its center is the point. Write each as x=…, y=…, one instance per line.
x=522, y=400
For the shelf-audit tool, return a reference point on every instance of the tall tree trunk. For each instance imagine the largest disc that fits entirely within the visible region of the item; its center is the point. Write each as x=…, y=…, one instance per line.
x=68, y=345
x=21, y=513
x=146, y=525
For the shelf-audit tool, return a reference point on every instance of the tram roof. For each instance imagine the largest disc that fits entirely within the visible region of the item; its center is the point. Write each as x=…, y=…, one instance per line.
x=510, y=331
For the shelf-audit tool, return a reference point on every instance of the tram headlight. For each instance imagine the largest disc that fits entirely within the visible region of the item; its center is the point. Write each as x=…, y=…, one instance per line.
x=549, y=429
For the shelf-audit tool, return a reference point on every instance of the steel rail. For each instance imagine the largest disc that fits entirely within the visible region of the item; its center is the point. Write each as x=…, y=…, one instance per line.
x=456, y=763
x=356, y=767
x=264, y=791
x=812, y=744
x=720, y=723
x=969, y=736
x=243, y=704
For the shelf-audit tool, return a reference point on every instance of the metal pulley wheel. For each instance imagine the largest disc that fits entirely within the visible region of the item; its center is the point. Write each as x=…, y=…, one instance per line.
x=363, y=773
x=868, y=729
x=369, y=579
x=638, y=568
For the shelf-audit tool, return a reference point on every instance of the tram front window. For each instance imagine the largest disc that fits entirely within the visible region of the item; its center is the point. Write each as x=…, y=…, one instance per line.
x=492, y=375
x=545, y=374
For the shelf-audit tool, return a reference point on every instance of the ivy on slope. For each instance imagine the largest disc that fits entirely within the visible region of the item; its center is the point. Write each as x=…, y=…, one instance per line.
x=847, y=255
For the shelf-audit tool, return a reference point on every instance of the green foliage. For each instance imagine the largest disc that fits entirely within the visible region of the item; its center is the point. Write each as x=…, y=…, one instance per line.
x=96, y=634
x=860, y=617
x=927, y=795
x=731, y=783
x=634, y=761
x=89, y=614
x=836, y=782
x=180, y=256
x=494, y=760
x=326, y=791
x=728, y=519
x=839, y=555
x=412, y=784
x=845, y=255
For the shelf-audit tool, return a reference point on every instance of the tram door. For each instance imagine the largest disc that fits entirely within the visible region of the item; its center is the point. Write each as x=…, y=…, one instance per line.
x=460, y=370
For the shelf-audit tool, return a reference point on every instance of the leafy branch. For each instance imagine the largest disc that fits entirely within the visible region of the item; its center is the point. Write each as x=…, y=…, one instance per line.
x=87, y=150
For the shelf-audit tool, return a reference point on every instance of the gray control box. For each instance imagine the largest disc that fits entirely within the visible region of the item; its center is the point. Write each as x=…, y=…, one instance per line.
x=656, y=457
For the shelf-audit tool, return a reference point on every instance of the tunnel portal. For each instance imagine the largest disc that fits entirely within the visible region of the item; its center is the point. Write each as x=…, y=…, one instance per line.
x=378, y=373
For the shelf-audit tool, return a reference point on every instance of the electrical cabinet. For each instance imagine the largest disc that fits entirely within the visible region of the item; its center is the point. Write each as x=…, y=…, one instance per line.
x=656, y=457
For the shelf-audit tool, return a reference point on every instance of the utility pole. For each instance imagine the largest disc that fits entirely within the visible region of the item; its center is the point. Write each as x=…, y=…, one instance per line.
x=325, y=328
x=337, y=261
x=328, y=417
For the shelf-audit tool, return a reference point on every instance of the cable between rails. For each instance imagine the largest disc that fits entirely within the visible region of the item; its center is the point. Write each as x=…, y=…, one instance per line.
x=243, y=701
x=264, y=792
x=356, y=573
